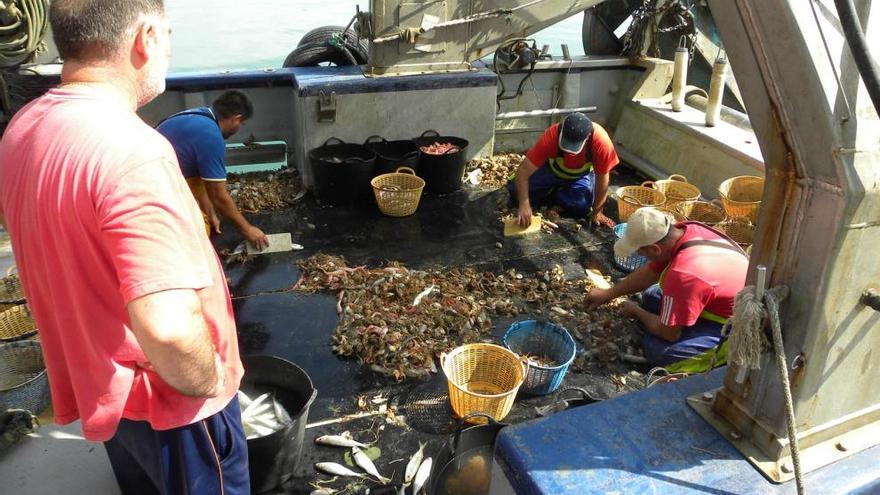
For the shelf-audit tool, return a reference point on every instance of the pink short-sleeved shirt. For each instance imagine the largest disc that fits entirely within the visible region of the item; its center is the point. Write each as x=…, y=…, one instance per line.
x=99, y=215
x=700, y=278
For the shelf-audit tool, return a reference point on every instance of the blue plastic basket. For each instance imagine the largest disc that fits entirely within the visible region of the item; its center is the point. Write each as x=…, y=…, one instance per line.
x=532, y=337
x=631, y=262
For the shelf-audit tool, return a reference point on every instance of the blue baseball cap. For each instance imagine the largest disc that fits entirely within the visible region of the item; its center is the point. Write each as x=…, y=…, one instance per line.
x=574, y=132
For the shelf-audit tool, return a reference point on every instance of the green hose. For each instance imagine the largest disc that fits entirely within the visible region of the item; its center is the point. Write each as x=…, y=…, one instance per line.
x=23, y=24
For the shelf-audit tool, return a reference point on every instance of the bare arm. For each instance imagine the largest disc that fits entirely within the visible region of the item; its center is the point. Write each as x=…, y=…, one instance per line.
x=600, y=196
x=208, y=209
x=523, y=173
x=171, y=330
x=224, y=204
x=636, y=281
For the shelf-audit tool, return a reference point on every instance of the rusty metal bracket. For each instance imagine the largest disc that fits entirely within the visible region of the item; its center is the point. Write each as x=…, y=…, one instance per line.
x=327, y=107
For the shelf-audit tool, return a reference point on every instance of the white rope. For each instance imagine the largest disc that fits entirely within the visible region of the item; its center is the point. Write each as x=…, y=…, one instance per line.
x=747, y=342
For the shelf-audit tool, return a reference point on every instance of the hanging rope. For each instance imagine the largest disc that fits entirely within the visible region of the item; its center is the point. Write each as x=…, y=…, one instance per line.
x=642, y=38
x=748, y=342
x=23, y=24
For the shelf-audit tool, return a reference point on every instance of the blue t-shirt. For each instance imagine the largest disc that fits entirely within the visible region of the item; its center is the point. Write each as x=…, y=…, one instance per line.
x=198, y=143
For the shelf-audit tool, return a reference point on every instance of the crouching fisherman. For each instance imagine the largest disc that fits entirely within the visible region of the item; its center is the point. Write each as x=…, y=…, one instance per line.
x=694, y=274
x=569, y=169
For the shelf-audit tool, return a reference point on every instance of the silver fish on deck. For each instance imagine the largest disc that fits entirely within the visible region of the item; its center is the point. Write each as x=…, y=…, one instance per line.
x=413, y=465
x=422, y=476
x=343, y=440
x=337, y=470
x=364, y=462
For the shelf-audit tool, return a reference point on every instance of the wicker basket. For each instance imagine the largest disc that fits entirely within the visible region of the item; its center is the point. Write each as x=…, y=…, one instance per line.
x=741, y=197
x=398, y=193
x=23, y=381
x=738, y=229
x=680, y=193
x=673, y=212
x=17, y=323
x=708, y=213
x=631, y=198
x=11, y=293
x=482, y=378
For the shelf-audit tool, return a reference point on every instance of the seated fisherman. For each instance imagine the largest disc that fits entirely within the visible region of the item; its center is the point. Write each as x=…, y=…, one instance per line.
x=697, y=271
x=568, y=168
x=198, y=136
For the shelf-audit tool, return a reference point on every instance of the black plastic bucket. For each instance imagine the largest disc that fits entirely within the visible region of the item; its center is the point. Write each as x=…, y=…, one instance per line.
x=442, y=173
x=390, y=155
x=342, y=171
x=273, y=459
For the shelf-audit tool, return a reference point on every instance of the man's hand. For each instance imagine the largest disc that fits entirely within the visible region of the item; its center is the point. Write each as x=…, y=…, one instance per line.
x=597, y=297
x=524, y=215
x=214, y=222
x=256, y=237
x=629, y=309
x=599, y=219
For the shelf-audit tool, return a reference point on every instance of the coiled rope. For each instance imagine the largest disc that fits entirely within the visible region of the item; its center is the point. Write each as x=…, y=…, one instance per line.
x=23, y=23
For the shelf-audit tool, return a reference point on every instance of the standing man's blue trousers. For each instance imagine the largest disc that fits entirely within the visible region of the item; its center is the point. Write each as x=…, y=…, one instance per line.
x=208, y=457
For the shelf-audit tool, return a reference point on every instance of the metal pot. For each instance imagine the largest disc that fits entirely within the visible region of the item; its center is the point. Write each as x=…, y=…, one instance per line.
x=463, y=466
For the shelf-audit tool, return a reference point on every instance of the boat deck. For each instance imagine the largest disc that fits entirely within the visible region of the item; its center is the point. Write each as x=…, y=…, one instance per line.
x=455, y=230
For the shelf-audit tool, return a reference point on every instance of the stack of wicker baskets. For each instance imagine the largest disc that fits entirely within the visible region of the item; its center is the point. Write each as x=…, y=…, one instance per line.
x=680, y=194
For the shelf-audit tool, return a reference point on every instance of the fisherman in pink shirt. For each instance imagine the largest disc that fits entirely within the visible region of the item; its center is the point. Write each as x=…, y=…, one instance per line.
x=134, y=314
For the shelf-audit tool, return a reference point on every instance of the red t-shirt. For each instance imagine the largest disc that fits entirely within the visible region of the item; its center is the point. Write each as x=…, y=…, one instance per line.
x=700, y=278
x=603, y=156
x=99, y=215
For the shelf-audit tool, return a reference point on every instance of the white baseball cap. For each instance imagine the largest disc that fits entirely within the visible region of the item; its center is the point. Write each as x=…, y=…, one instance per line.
x=644, y=227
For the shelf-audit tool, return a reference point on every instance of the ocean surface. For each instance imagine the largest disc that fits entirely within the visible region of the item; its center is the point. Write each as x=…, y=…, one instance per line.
x=258, y=34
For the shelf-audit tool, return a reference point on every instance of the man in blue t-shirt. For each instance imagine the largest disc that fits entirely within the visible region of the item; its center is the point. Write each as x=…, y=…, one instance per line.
x=198, y=137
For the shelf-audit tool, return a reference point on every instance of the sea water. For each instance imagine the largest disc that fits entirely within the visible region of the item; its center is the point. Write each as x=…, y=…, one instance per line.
x=257, y=34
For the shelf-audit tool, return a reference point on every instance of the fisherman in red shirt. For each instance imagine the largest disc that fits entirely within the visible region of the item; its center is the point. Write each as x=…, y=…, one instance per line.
x=689, y=286
x=568, y=168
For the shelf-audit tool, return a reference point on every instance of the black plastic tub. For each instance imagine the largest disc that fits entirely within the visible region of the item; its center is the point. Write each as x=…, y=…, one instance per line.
x=273, y=459
x=342, y=172
x=442, y=173
x=390, y=155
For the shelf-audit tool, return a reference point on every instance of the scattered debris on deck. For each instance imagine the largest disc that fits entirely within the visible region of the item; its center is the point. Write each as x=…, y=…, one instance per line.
x=263, y=191
x=495, y=171
x=397, y=320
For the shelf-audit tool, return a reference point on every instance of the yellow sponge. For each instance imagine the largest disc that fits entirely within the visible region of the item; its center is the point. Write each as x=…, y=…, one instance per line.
x=512, y=227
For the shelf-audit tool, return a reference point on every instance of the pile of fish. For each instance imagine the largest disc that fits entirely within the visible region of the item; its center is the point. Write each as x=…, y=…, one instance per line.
x=417, y=472
x=262, y=191
x=261, y=416
x=396, y=320
x=494, y=171
x=439, y=148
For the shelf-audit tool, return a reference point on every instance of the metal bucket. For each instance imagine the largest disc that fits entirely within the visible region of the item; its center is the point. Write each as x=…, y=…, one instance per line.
x=273, y=459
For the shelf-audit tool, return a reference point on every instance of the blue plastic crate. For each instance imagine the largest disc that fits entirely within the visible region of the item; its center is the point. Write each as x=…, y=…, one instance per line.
x=631, y=262
x=531, y=337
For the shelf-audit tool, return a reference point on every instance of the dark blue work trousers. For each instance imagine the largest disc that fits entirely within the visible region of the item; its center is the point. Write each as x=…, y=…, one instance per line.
x=208, y=457
x=546, y=189
x=695, y=339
